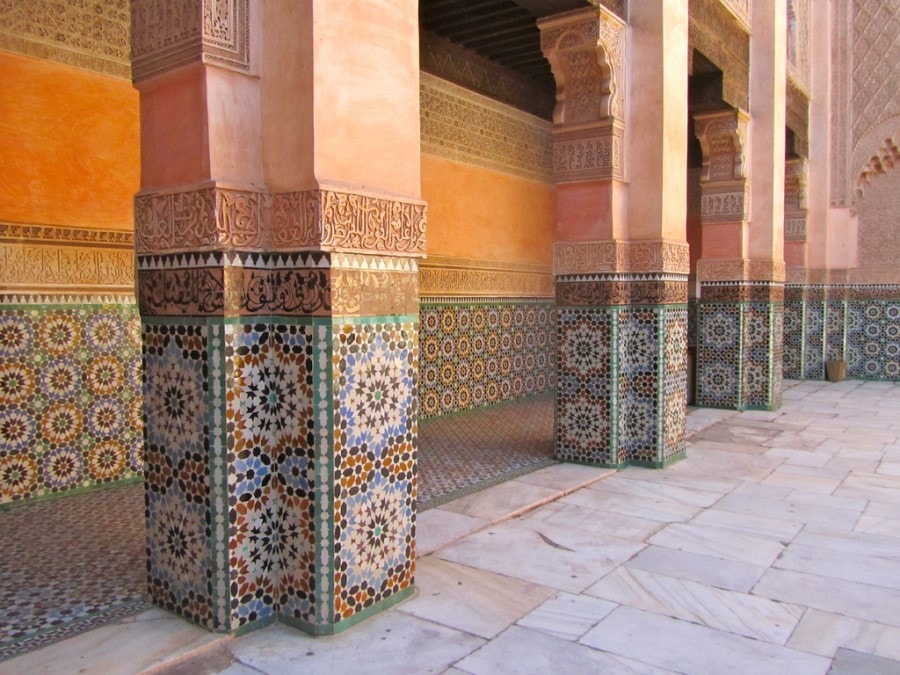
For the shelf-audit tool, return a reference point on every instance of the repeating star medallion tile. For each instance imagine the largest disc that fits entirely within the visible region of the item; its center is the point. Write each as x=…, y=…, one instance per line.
x=63, y=390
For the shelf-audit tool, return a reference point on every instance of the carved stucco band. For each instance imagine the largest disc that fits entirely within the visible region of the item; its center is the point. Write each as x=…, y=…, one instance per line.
x=466, y=127
x=595, y=154
x=795, y=174
x=167, y=34
x=465, y=277
x=90, y=35
x=589, y=257
x=217, y=218
x=31, y=267
x=740, y=269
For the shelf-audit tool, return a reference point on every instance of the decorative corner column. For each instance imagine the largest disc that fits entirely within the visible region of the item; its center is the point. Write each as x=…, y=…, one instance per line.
x=280, y=343
x=621, y=304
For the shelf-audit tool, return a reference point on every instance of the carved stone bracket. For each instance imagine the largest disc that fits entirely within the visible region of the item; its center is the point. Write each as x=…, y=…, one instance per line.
x=723, y=181
x=167, y=34
x=219, y=218
x=795, y=173
x=586, y=51
x=610, y=257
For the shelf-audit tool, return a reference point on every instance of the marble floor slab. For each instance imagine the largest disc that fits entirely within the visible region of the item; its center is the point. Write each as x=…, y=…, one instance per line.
x=437, y=527
x=848, y=598
x=539, y=653
x=561, y=558
x=870, y=486
x=778, y=509
x=390, y=643
x=471, y=600
x=567, y=615
x=589, y=519
x=652, y=508
x=643, y=489
x=706, y=569
x=505, y=500
x=687, y=647
x=719, y=542
x=730, y=611
x=825, y=632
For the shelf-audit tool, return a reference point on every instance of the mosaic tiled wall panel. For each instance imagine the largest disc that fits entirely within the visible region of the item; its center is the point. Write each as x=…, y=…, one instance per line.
x=814, y=340
x=585, y=398
x=719, y=355
x=481, y=353
x=835, y=322
x=864, y=332
x=375, y=430
x=70, y=414
x=281, y=477
x=740, y=354
x=622, y=384
x=793, y=339
x=762, y=352
x=873, y=339
x=183, y=474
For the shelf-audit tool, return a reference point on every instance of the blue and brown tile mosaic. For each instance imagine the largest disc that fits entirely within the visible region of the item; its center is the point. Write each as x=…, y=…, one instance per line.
x=69, y=397
x=485, y=352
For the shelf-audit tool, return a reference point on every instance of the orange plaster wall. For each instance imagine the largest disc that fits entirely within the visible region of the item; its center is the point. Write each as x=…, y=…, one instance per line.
x=70, y=143
x=477, y=213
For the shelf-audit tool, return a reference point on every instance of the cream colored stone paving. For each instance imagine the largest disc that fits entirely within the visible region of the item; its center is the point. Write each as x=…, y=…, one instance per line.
x=773, y=548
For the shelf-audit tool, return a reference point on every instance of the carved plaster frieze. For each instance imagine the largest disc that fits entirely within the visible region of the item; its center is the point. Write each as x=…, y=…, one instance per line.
x=725, y=203
x=466, y=277
x=798, y=42
x=620, y=257
x=795, y=229
x=795, y=174
x=586, y=51
x=26, y=267
x=86, y=34
x=53, y=234
x=622, y=291
x=588, y=154
x=721, y=36
x=462, y=126
x=740, y=9
x=369, y=292
x=167, y=34
x=219, y=218
x=740, y=269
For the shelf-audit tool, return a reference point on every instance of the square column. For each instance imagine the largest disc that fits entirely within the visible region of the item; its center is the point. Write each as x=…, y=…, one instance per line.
x=279, y=305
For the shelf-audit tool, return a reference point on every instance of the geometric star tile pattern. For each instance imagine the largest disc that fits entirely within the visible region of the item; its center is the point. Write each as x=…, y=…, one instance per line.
x=70, y=405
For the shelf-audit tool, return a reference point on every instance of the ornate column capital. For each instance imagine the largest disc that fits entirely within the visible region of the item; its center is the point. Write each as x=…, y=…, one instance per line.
x=725, y=186
x=166, y=34
x=795, y=176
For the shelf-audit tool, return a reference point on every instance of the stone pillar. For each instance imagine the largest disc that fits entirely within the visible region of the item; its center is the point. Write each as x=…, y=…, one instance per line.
x=277, y=280
x=621, y=273
x=741, y=271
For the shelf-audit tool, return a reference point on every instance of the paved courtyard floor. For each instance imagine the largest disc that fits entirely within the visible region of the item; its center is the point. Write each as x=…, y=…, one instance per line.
x=773, y=548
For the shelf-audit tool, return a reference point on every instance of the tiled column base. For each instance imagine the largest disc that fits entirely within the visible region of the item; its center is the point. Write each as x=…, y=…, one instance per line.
x=739, y=354
x=281, y=450
x=622, y=381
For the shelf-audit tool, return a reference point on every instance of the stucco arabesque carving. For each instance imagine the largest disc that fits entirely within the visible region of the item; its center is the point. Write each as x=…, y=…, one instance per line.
x=610, y=257
x=167, y=34
x=795, y=175
x=220, y=218
x=723, y=180
x=886, y=157
x=740, y=269
x=586, y=54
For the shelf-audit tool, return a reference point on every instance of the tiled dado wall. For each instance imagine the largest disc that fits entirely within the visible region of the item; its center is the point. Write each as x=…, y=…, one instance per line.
x=856, y=323
x=70, y=361
x=481, y=350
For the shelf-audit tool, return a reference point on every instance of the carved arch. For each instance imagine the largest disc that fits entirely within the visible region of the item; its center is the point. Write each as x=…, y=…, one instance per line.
x=887, y=157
